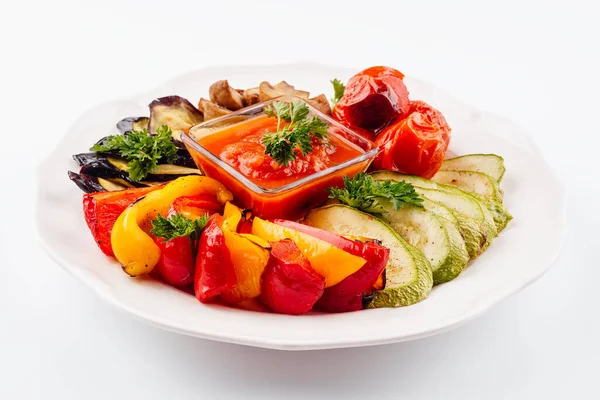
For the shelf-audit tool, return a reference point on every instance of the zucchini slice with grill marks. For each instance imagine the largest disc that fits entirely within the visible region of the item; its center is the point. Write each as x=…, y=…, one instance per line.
x=490, y=164
x=409, y=277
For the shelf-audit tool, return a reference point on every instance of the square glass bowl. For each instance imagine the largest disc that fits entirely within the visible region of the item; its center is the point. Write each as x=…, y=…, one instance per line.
x=294, y=199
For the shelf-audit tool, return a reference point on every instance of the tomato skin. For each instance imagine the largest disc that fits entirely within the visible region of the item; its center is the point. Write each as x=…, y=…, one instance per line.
x=435, y=116
x=415, y=145
x=373, y=99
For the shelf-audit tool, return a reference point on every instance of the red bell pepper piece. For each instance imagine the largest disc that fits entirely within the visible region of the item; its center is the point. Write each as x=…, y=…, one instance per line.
x=101, y=210
x=289, y=284
x=348, y=294
x=214, y=269
x=196, y=206
x=176, y=263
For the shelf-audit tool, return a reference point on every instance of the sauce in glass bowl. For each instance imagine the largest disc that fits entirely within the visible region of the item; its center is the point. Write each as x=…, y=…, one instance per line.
x=230, y=150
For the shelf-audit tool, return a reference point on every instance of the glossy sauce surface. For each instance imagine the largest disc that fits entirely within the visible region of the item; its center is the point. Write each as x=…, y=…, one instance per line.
x=240, y=146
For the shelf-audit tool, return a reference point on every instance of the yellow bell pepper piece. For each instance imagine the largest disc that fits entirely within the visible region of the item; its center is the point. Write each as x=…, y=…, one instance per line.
x=333, y=263
x=133, y=247
x=249, y=256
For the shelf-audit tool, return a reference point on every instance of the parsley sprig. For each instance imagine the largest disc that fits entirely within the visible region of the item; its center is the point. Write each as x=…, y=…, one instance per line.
x=141, y=149
x=371, y=196
x=283, y=144
x=178, y=225
x=338, y=91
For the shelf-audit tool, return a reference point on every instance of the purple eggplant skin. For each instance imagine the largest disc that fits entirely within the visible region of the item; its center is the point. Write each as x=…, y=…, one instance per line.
x=88, y=184
x=84, y=158
x=175, y=112
x=183, y=158
x=102, y=168
x=132, y=124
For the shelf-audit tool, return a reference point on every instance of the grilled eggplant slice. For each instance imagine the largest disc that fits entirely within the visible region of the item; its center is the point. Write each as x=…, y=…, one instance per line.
x=86, y=183
x=175, y=112
x=115, y=170
x=132, y=124
x=183, y=158
x=91, y=184
x=225, y=96
x=101, y=167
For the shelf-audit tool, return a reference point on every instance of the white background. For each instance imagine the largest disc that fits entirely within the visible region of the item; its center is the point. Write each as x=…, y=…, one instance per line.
x=534, y=62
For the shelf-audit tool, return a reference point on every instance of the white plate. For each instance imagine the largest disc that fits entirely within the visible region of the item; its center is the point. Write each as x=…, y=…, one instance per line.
x=522, y=253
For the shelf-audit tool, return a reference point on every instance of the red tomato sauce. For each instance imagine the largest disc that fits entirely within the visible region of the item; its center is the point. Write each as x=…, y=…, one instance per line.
x=240, y=146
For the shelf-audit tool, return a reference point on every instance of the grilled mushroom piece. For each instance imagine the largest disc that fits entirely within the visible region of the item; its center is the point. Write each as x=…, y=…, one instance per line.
x=251, y=96
x=321, y=103
x=268, y=91
x=211, y=110
x=225, y=96
x=132, y=124
x=175, y=112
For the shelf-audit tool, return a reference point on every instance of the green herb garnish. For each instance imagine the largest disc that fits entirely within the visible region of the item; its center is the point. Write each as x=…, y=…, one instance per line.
x=297, y=135
x=338, y=91
x=179, y=226
x=369, y=195
x=141, y=149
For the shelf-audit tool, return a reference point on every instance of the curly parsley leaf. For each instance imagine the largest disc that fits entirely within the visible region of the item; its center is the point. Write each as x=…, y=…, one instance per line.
x=141, y=149
x=283, y=144
x=371, y=196
x=338, y=91
x=176, y=226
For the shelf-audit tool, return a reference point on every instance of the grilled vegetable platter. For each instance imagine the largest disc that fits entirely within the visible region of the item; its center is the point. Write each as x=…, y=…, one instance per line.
x=329, y=203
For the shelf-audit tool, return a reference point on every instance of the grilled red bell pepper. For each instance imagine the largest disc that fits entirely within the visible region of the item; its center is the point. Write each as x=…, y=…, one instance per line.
x=214, y=269
x=101, y=210
x=196, y=206
x=348, y=294
x=289, y=284
x=176, y=262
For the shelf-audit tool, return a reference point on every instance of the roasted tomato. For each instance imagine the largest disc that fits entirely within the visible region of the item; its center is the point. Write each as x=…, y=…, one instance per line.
x=102, y=209
x=435, y=116
x=289, y=284
x=415, y=145
x=373, y=99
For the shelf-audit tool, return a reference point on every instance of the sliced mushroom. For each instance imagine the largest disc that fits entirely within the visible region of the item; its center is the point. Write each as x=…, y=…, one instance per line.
x=211, y=110
x=288, y=89
x=268, y=91
x=321, y=103
x=225, y=96
x=251, y=96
